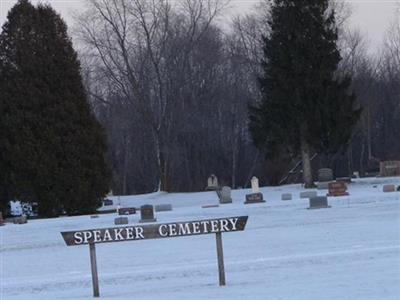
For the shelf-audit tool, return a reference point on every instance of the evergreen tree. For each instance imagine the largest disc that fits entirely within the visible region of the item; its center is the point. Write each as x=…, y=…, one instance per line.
x=304, y=107
x=53, y=149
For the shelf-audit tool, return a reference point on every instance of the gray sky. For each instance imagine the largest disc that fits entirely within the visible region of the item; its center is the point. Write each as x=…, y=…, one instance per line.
x=372, y=17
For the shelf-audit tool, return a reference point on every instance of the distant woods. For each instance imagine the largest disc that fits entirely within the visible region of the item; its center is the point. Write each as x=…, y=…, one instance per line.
x=171, y=89
x=171, y=84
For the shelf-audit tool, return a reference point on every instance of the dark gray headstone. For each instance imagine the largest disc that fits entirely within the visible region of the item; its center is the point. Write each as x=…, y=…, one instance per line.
x=254, y=198
x=325, y=175
x=318, y=202
x=163, y=207
x=121, y=221
x=108, y=202
x=286, y=196
x=147, y=214
x=94, y=216
x=308, y=194
x=1, y=219
x=225, y=195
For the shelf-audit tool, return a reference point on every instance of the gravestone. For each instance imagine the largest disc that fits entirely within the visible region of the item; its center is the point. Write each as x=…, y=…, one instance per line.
x=20, y=220
x=1, y=219
x=163, y=207
x=308, y=194
x=212, y=183
x=126, y=211
x=338, y=188
x=325, y=174
x=147, y=214
x=225, y=195
x=286, y=196
x=318, y=202
x=389, y=188
x=107, y=202
x=254, y=198
x=94, y=216
x=121, y=221
x=254, y=185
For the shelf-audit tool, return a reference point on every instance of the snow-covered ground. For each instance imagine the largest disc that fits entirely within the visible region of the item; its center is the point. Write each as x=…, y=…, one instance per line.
x=349, y=251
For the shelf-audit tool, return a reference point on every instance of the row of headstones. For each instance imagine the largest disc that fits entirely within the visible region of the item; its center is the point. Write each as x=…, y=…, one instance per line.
x=315, y=200
x=325, y=177
x=224, y=194
x=146, y=213
x=325, y=181
x=336, y=188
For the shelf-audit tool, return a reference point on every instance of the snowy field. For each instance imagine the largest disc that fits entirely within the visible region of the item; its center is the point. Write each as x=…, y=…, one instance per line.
x=348, y=251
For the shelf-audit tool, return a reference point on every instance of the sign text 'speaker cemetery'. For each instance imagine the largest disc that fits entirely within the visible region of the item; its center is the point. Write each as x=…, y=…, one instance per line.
x=129, y=233
x=154, y=231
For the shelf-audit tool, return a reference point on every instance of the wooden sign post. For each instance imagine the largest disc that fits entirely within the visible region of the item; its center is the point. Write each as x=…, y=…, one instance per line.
x=220, y=255
x=93, y=264
x=154, y=231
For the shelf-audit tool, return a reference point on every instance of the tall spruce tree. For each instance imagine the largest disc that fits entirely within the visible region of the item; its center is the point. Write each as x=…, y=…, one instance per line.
x=52, y=148
x=304, y=107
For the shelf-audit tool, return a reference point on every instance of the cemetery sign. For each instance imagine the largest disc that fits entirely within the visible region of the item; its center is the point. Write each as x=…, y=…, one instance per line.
x=154, y=231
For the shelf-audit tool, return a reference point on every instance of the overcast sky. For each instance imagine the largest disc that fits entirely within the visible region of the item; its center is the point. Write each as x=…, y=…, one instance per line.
x=373, y=17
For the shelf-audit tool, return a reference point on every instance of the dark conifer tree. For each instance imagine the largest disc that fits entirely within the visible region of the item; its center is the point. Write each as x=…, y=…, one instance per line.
x=305, y=107
x=53, y=148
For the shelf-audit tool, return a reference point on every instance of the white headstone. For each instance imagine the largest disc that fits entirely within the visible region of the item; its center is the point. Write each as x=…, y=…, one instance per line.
x=254, y=185
x=212, y=183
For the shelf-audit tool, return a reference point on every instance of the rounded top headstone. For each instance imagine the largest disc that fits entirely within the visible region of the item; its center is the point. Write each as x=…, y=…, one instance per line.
x=254, y=185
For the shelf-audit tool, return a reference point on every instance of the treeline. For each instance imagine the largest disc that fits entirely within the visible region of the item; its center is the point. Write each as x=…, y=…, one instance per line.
x=172, y=87
x=171, y=83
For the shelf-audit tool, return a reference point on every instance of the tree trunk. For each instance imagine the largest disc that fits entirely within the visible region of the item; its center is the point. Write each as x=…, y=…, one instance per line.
x=125, y=167
x=307, y=171
x=362, y=169
x=164, y=174
x=350, y=158
x=162, y=165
